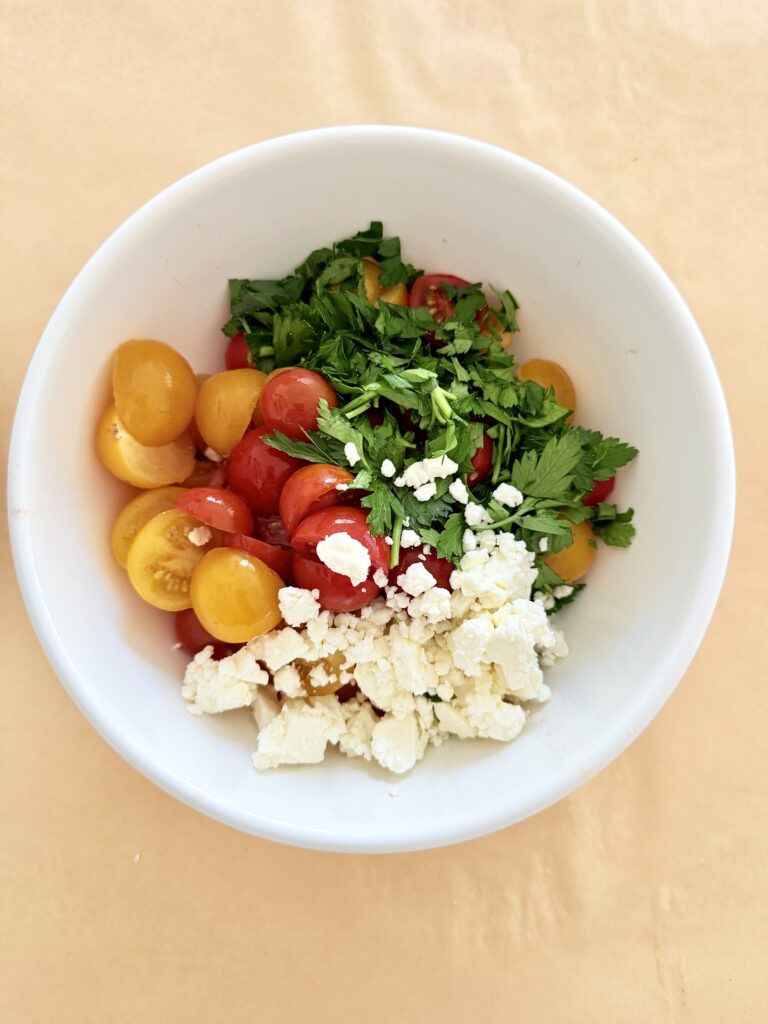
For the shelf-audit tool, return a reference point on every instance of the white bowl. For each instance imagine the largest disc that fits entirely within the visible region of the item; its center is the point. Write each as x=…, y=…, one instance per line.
x=591, y=297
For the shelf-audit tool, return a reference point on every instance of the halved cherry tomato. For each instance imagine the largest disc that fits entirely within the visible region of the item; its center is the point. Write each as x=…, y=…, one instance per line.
x=279, y=560
x=138, y=464
x=289, y=401
x=155, y=391
x=235, y=595
x=238, y=355
x=375, y=417
x=136, y=513
x=338, y=519
x=337, y=593
x=193, y=636
x=574, y=561
x=440, y=568
x=600, y=491
x=551, y=375
x=310, y=489
x=162, y=558
x=270, y=529
x=481, y=462
x=258, y=472
x=397, y=294
x=218, y=508
x=426, y=291
x=225, y=406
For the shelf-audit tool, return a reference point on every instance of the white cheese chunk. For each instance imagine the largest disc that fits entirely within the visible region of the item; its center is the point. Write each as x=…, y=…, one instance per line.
x=199, y=536
x=508, y=495
x=297, y=605
x=346, y=556
x=416, y=579
x=428, y=470
x=458, y=491
x=388, y=468
x=351, y=454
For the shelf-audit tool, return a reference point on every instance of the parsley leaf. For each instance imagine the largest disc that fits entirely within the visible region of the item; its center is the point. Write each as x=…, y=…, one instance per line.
x=548, y=474
x=614, y=527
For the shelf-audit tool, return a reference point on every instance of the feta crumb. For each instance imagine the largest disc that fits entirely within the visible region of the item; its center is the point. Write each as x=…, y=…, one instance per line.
x=458, y=491
x=476, y=515
x=265, y=706
x=380, y=578
x=545, y=599
x=409, y=539
x=397, y=743
x=425, y=492
x=399, y=481
x=434, y=605
x=388, y=541
x=351, y=454
x=388, y=468
x=213, y=456
x=544, y=544
x=287, y=680
x=298, y=606
x=199, y=536
x=562, y=591
x=416, y=579
x=468, y=541
x=508, y=495
x=342, y=487
x=346, y=556
x=300, y=733
x=428, y=470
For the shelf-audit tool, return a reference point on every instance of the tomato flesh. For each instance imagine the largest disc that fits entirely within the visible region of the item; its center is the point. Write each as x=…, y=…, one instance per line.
x=218, y=508
x=600, y=491
x=142, y=465
x=193, y=636
x=234, y=595
x=137, y=513
x=155, y=390
x=225, y=405
x=258, y=472
x=289, y=402
x=426, y=291
x=574, y=561
x=238, y=356
x=279, y=560
x=440, y=568
x=337, y=593
x=308, y=490
x=482, y=461
x=338, y=519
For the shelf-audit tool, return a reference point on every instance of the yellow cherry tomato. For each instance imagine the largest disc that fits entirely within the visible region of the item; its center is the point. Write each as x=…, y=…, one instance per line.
x=574, y=561
x=234, y=595
x=155, y=391
x=138, y=464
x=491, y=325
x=162, y=558
x=397, y=294
x=550, y=375
x=225, y=405
x=135, y=514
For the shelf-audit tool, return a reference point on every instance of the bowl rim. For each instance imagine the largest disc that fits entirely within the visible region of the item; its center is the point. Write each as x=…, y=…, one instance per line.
x=469, y=823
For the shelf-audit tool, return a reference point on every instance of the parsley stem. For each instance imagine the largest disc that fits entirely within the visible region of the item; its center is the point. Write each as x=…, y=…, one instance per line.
x=494, y=526
x=397, y=530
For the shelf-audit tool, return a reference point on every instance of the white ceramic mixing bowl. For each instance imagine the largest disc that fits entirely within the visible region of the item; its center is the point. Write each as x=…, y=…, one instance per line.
x=591, y=298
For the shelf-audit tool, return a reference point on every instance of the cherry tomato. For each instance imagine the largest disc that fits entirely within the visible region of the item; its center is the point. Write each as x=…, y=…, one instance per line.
x=482, y=461
x=162, y=558
x=271, y=530
x=337, y=593
x=138, y=464
x=234, y=595
x=218, y=508
x=258, y=472
x=338, y=519
x=574, y=561
x=225, y=405
x=238, y=356
x=289, y=401
x=310, y=489
x=332, y=665
x=193, y=636
x=440, y=568
x=491, y=326
x=600, y=491
x=550, y=375
x=155, y=391
x=375, y=417
x=397, y=294
x=426, y=291
x=279, y=560
x=135, y=514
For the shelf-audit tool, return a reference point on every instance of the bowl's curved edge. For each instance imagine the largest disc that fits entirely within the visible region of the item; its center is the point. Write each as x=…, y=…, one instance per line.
x=466, y=826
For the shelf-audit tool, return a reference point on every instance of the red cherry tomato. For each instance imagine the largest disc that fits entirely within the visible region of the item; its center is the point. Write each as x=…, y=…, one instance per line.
x=337, y=593
x=279, y=560
x=426, y=291
x=481, y=462
x=310, y=489
x=216, y=507
x=337, y=519
x=271, y=530
x=193, y=636
x=375, y=417
x=238, y=355
x=289, y=401
x=600, y=491
x=440, y=568
x=258, y=472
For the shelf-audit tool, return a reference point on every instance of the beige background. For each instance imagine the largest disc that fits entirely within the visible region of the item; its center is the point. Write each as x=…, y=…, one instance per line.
x=642, y=898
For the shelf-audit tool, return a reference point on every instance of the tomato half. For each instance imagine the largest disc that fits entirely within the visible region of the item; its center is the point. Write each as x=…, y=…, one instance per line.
x=337, y=593
x=426, y=292
x=289, y=401
x=138, y=464
x=600, y=491
x=155, y=391
x=137, y=513
x=310, y=489
x=193, y=636
x=551, y=375
x=218, y=508
x=234, y=595
x=440, y=568
x=238, y=356
x=574, y=561
x=279, y=560
x=225, y=405
x=482, y=461
x=258, y=472
x=338, y=519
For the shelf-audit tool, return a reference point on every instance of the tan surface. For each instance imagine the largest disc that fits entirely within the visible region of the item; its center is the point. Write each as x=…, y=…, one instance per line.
x=641, y=898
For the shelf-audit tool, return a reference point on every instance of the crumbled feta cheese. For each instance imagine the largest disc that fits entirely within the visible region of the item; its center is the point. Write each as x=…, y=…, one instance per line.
x=297, y=606
x=434, y=605
x=562, y=591
x=265, y=706
x=351, y=454
x=416, y=579
x=213, y=686
x=380, y=578
x=398, y=743
x=288, y=681
x=356, y=741
x=388, y=468
x=426, y=492
x=409, y=539
x=278, y=648
x=544, y=544
x=213, y=456
x=388, y=541
x=300, y=733
x=342, y=487
x=399, y=481
x=508, y=495
x=428, y=470
x=199, y=536
x=476, y=515
x=469, y=541
x=346, y=556
x=458, y=491
x=544, y=599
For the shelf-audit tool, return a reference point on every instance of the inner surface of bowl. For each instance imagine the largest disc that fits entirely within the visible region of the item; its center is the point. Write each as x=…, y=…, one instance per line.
x=590, y=298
